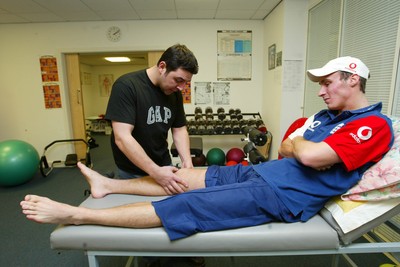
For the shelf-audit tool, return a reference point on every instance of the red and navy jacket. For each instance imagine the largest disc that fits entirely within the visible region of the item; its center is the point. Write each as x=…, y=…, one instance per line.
x=359, y=137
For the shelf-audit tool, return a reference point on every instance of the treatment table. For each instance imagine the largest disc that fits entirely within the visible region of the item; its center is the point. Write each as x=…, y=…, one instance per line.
x=373, y=201
x=319, y=235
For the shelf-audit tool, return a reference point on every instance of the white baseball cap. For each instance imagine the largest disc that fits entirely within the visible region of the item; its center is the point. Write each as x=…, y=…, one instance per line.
x=348, y=64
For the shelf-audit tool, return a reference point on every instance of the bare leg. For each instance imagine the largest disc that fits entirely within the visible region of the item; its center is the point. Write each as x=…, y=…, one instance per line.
x=101, y=186
x=45, y=210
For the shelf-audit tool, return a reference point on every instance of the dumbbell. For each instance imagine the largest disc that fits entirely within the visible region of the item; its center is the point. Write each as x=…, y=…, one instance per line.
x=257, y=137
x=198, y=110
x=261, y=126
x=255, y=157
x=198, y=113
x=239, y=114
x=251, y=123
x=192, y=126
x=235, y=126
x=210, y=129
x=192, y=129
x=221, y=113
x=201, y=129
x=227, y=126
x=219, y=127
x=248, y=147
x=198, y=116
x=200, y=121
x=209, y=121
x=242, y=124
x=209, y=116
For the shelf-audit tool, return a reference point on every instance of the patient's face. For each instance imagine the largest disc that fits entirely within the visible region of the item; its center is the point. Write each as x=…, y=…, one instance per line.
x=336, y=93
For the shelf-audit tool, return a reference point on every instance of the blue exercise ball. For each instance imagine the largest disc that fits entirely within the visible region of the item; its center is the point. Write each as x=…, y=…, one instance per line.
x=19, y=161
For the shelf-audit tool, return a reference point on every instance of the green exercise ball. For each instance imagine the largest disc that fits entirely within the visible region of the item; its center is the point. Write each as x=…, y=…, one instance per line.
x=19, y=161
x=215, y=156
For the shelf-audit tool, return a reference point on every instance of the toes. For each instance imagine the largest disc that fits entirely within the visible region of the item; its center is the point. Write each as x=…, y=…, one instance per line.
x=32, y=198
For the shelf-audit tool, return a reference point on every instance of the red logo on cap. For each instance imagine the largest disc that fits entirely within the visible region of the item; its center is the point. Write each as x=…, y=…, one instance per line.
x=353, y=66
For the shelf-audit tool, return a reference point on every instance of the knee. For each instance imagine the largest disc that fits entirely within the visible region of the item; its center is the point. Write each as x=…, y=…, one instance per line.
x=194, y=177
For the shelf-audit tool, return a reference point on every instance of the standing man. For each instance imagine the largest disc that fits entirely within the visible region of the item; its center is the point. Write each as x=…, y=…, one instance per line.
x=143, y=106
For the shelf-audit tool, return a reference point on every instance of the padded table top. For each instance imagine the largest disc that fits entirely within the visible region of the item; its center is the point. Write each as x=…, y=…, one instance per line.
x=314, y=234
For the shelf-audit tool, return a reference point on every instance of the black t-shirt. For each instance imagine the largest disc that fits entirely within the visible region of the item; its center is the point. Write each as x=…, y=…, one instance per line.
x=136, y=101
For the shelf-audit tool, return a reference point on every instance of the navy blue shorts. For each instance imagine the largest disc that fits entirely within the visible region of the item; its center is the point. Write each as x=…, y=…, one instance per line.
x=234, y=197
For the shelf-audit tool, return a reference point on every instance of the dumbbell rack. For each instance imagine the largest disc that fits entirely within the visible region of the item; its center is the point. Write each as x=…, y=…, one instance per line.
x=233, y=122
x=222, y=123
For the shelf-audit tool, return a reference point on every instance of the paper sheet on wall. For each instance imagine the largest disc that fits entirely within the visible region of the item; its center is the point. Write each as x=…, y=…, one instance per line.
x=202, y=92
x=105, y=82
x=293, y=75
x=221, y=93
x=234, y=55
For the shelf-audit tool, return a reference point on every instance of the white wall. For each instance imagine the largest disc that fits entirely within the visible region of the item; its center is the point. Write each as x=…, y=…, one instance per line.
x=283, y=86
x=22, y=112
x=272, y=93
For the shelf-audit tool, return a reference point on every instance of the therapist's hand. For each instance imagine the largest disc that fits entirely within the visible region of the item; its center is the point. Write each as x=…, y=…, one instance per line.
x=165, y=176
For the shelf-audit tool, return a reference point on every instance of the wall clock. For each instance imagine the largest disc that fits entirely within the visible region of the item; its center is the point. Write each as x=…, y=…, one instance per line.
x=114, y=34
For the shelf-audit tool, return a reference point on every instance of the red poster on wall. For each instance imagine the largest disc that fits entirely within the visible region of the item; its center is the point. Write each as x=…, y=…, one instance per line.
x=51, y=88
x=186, y=94
x=52, y=98
x=48, y=68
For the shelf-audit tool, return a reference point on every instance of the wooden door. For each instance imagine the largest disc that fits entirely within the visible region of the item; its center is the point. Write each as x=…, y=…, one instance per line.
x=153, y=57
x=76, y=103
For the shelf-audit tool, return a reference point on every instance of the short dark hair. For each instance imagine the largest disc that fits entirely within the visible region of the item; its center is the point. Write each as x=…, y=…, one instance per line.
x=179, y=56
x=344, y=75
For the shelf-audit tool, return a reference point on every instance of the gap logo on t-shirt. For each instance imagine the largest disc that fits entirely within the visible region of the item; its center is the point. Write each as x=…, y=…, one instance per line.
x=154, y=115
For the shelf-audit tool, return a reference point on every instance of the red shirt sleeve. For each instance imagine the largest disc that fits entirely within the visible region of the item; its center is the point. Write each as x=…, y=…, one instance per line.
x=361, y=141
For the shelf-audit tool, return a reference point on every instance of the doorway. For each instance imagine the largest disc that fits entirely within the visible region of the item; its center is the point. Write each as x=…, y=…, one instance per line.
x=83, y=70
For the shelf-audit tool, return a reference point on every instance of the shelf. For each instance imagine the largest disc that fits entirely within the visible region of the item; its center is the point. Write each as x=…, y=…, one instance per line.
x=222, y=123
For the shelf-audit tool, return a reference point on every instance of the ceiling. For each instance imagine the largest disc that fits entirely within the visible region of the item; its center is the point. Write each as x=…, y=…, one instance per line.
x=38, y=11
x=47, y=11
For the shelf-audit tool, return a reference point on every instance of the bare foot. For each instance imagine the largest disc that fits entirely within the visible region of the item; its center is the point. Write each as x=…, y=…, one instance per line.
x=98, y=183
x=45, y=210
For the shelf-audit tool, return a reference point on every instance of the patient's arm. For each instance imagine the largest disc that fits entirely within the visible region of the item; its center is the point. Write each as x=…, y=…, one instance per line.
x=101, y=186
x=317, y=155
x=286, y=148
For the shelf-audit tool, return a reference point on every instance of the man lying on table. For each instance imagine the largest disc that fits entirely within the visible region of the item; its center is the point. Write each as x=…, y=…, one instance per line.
x=322, y=159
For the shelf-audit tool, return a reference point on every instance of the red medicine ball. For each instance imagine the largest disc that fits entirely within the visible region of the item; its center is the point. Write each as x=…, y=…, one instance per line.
x=231, y=163
x=235, y=154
